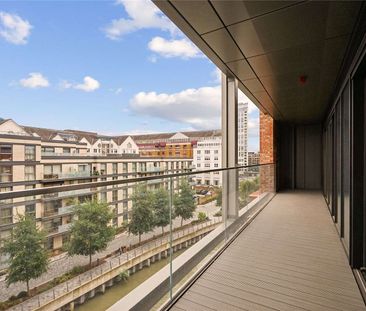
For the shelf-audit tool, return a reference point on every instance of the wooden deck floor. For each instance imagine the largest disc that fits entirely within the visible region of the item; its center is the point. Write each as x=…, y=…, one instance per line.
x=289, y=258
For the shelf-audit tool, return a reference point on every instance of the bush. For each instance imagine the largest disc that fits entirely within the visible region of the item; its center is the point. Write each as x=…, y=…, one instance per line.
x=22, y=294
x=124, y=275
x=77, y=270
x=218, y=214
x=202, y=216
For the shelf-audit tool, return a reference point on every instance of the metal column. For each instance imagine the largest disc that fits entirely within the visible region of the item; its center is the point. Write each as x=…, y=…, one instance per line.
x=229, y=115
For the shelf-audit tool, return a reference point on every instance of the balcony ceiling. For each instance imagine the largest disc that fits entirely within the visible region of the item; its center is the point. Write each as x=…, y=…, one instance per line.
x=286, y=54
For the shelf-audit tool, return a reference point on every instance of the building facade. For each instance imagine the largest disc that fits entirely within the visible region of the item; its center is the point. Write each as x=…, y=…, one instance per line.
x=253, y=158
x=243, y=133
x=206, y=156
x=172, y=145
x=35, y=158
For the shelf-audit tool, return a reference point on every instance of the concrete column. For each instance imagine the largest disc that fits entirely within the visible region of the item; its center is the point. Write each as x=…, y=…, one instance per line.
x=148, y=262
x=109, y=283
x=141, y=265
x=102, y=288
x=229, y=118
x=81, y=299
x=152, y=259
x=133, y=269
x=159, y=256
x=72, y=306
x=92, y=293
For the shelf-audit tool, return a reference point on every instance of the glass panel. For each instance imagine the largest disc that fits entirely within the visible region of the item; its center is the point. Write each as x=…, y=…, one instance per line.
x=30, y=153
x=6, y=174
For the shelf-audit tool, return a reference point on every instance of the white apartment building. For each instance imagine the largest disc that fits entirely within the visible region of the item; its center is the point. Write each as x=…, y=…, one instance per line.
x=206, y=156
x=36, y=157
x=243, y=133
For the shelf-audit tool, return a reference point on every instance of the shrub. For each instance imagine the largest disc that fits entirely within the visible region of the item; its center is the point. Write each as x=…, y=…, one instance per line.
x=218, y=214
x=202, y=216
x=124, y=275
x=22, y=294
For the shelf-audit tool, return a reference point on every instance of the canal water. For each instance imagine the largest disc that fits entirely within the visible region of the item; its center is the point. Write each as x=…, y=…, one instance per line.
x=112, y=294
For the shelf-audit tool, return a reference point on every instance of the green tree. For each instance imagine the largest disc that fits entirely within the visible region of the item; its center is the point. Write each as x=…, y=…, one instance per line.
x=161, y=208
x=184, y=202
x=28, y=258
x=142, y=217
x=246, y=187
x=90, y=231
x=219, y=197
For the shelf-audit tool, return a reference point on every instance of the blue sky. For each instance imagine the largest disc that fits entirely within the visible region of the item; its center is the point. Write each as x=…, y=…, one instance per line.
x=107, y=66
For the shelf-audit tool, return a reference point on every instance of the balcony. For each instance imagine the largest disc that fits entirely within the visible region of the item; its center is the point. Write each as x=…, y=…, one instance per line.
x=288, y=258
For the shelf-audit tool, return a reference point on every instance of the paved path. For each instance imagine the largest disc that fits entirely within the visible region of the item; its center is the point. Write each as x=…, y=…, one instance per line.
x=66, y=263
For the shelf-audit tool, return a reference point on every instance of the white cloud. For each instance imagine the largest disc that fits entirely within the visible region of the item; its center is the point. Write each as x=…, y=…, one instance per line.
x=35, y=80
x=13, y=28
x=89, y=85
x=216, y=76
x=174, y=48
x=118, y=91
x=142, y=14
x=198, y=108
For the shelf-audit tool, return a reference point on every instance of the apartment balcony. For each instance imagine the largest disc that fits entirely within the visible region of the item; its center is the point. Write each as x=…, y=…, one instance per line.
x=74, y=174
x=70, y=154
x=289, y=258
x=63, y=228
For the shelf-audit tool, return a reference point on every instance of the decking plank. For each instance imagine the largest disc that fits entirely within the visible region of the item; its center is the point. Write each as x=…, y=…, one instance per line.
x=289, y=258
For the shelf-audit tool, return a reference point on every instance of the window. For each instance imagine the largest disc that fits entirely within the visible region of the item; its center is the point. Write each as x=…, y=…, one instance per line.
x=66, y=150
x=124, y=194
x=6, y=173
x=198, y=151
x=6, y=153
x=6, y=215
x=216, y=151
x=114, y=168
x=30, y=153
x=103, y=168
x=50, y=208
x=125, y=167
x=207, y=164
x=134, y=167
x=207, y=158
x=6, y=189
x=32, y=197
x=29, y=172
x=115, y=195
x=216, y=165
x=103, y=196
x=48, y=149
x=30, y=209
x=207, y=151
x=84, y=168
x=51, y=171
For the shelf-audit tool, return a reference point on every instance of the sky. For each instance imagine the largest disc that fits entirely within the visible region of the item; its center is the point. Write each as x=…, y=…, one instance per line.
x=112, y=67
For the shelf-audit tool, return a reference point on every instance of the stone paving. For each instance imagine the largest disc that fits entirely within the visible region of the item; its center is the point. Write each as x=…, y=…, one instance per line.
x=110, y=263
x=66, y=263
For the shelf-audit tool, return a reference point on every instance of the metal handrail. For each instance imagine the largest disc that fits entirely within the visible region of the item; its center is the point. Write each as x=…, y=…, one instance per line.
x=37, y=191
